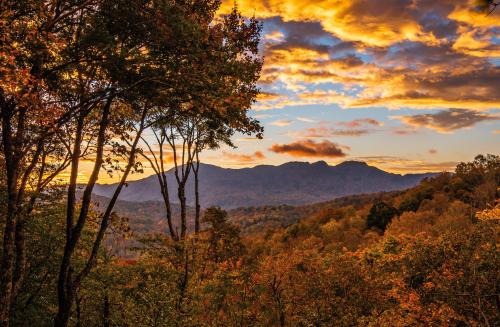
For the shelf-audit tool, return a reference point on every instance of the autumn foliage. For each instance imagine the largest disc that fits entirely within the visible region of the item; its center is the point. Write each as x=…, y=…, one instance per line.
x=434, y=265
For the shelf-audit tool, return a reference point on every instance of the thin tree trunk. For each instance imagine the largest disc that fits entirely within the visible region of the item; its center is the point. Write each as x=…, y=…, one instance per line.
x=106, y=311
x=181, y=192
x=71, y=284
x=107, y=214
x=78, y=311
x=11, y=168
x=168, y=208
x=157, y=164
x=20, y=266
x=64, y=287
x=162, y=176
x=196, y=168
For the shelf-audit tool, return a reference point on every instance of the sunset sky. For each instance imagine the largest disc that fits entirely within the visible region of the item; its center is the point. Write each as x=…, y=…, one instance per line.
x=407, y=86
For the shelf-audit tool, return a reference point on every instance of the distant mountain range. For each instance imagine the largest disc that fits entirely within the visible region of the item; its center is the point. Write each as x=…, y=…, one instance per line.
x=292, y=183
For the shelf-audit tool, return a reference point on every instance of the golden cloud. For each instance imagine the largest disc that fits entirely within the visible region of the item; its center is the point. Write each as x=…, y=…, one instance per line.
x=476, y=42
x=244, y=158
x=403, y=165
x=437, y=62
x=374, y=23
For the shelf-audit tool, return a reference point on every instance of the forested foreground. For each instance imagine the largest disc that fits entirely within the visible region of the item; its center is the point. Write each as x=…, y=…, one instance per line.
x=96, y=87
x=424, y=257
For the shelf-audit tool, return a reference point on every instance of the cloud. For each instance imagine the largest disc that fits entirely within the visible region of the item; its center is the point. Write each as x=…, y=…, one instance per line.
x=417, y=166
x=379, y=23
x=310, y=148
x=306, y=120
x=394, y=53
x=281, y=123
x=404, y=165
x=360, y=122
x=244, y=158
x=247, y=139
x=414, y=76
x=356, y=127
x=447, y=121
x=403, y=130
x=268, y=96
x=274, y=36
x=476, y=42
x=322, y=132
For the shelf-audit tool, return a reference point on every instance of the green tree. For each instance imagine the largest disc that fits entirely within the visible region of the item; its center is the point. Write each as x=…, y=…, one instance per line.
x=223, y=237
x=380, y=215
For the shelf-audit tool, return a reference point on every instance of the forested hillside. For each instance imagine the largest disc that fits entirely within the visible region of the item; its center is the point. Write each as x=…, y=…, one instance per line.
x=426, y=256
x=149, y=216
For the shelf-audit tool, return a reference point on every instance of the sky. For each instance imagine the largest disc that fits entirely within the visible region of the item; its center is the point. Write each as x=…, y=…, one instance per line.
x=404, y=85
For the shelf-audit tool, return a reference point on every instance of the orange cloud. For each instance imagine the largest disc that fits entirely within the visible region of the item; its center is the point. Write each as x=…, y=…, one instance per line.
x=309, y=148
x=442, y=79
x=244, y=158
x=381, y=23
x=476, y=42
x=404, y=165
x=414, y=60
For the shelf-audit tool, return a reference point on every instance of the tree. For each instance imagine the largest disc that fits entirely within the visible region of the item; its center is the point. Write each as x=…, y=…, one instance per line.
x=214, y=94
x=136, y=51
x=380, y=215
x=34, y=34
x=223, y=237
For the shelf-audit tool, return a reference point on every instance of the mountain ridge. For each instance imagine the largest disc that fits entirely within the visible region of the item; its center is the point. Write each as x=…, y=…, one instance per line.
x=291, y=183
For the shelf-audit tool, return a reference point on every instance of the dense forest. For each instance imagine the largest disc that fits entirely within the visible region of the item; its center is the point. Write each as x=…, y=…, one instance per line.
x=93, y=87
x=427, y=256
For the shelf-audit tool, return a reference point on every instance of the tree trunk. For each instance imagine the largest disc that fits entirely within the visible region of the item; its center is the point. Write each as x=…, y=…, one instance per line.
x=162, y=178
x=22, y=213
x=7, y=266
x=11, y=168
x=65, y=291
x=68, y=286
x=182, y=199
x=105, y=311
x=78, y=312
x=20, y=267
x=197, y=197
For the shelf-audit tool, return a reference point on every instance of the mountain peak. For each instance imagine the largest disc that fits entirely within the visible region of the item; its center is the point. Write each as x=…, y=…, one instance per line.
x=294, y=164
x=320, y=163
x=352, y=163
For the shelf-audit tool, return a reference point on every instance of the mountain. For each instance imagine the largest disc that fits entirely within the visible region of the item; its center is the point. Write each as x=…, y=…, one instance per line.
x=292, y=183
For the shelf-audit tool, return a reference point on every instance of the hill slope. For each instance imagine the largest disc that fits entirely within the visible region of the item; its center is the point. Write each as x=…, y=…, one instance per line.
x=293, y=183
